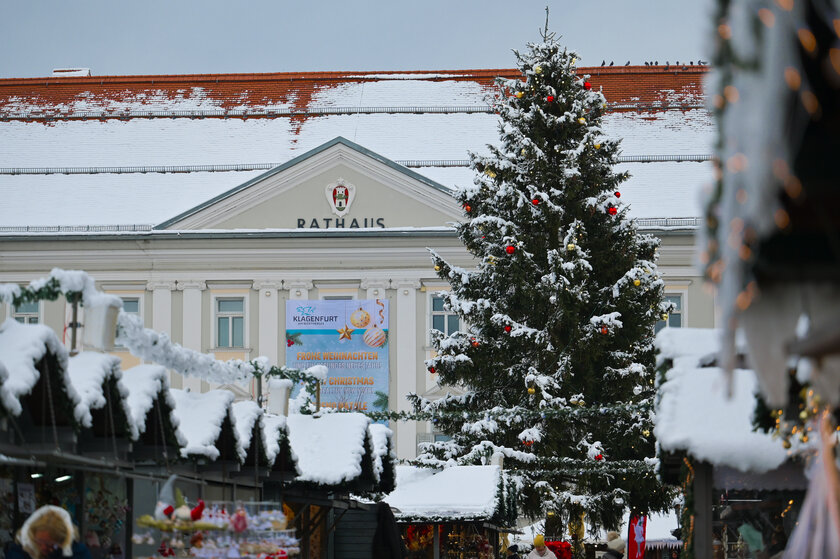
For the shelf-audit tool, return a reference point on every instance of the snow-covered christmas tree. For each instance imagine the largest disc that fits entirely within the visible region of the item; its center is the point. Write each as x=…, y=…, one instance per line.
x=556, y=364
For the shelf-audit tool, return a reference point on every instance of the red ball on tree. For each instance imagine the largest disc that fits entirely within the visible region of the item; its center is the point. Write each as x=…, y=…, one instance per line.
x=599, y=457
x=549, y=99
x=605, y=330
x=467, y=208
x=508, y=328
x=432, y=370
x=587, y=86
x=510, y=249
x=536, y=201
x=612, y=210
x=527, y=443
x=618, y=194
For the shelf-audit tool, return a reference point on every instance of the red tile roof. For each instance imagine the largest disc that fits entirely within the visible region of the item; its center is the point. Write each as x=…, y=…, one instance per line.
x=50, y=96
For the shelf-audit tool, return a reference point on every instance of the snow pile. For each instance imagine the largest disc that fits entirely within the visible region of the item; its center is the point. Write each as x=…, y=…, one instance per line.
x=273, y=429
x=21, y=347
x=89, y=371
x=456, y=493
x=157, y=347
x=245, y=415
x=68, y=281
x=380, y=439
x=145, y=383
x=328, y=449
x=200, y=418
x=694, y=414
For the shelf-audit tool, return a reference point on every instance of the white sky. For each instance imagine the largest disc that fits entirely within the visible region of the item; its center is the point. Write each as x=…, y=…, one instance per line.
x=213, y=36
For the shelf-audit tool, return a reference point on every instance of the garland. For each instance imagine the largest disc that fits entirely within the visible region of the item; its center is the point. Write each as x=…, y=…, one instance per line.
x=688, y=513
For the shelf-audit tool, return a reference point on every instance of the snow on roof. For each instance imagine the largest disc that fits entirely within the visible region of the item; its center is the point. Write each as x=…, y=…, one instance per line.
x=409, y=125
x=21, y=347
x=88, y=373
x=328, y=449
x=144, y=383
x=694, y=414
x=380, y=438
x=71, y=72
x=245, y=415
x=273, y=427
x=200, y=417
x=456, y=493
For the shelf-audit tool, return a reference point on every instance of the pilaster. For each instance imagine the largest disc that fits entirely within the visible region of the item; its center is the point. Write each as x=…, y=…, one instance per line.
x=192, y=323
x=406, y=361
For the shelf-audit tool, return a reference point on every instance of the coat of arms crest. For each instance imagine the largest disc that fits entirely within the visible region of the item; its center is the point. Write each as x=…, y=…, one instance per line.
x=340, y=195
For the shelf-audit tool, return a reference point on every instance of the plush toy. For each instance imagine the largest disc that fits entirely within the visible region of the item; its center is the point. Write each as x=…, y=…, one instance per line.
x=197, y=511
x=166, y=498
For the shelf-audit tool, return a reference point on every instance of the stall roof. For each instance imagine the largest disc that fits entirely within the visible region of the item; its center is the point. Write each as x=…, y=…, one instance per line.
x=21, y=347
x=88, y=373
x=145, y=383
x=456, y=493
x=380, y=437
x=273, y=429
x=328, y=449
x=211, y=408
x=245, y=414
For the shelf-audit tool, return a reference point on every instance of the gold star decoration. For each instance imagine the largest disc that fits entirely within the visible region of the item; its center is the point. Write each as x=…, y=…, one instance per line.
x=344, y=333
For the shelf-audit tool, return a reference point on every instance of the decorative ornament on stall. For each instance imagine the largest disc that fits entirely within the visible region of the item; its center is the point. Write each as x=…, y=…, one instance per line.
x=197, y=511
x=510, y=249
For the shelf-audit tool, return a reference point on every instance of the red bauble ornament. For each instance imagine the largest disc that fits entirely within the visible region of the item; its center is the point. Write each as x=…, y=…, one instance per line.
x=432, y=370
x=474, y=342
x=467, y=208
x=605, y=330
x=612, y=210
x=510, y=249
x=527, y=443
x=508, y=328
x=599, y=457
x=618, y=194
x=549, y=99
x=536, y=201
x=587, y=86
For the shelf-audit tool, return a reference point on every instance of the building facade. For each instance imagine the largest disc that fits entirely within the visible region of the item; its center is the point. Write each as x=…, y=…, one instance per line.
x=103, y=179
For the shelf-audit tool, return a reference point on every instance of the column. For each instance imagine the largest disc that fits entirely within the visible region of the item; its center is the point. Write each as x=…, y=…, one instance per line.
x=193, y=321
x=298, y=289
x=268, y=319
x=405, y=344
x=162, y=314
x=375, y=288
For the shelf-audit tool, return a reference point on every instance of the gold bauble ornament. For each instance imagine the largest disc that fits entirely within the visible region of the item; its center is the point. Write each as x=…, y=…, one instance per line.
x=582, y=120
x=538, y=69
x=646, y=432
x=437, y=268
x=490, y=173
x=637, y=283
x=570, y=247
x=360, y=318
x=532, y=390
x=664, y=316
x=597, y=146
x=786, y=443
x=519, y=94
x=524, y=151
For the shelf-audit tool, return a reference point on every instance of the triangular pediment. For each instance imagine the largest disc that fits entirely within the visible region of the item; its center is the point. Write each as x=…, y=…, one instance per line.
x=336, y=185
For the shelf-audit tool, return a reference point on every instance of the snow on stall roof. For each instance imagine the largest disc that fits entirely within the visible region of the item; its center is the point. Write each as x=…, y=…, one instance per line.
x=200, y=417
x=273, y=428
x=21, y=347
x=245, y=415
x=459, y=492
x=694, y=414
x=88, y=372
x=380, y=439
x=328, y=449
x=144, y=383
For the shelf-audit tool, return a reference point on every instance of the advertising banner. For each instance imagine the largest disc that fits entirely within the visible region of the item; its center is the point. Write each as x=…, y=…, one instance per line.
x=350, y=338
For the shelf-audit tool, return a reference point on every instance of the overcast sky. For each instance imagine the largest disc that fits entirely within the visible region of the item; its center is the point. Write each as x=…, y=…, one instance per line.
x=114, y=37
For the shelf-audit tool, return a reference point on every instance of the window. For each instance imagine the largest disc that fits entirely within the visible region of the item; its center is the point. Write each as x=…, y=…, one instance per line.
x=230, y=322
x=443, y=320
x=131, y=305
x=27, y=313
x=337, y=298
x=675, y=316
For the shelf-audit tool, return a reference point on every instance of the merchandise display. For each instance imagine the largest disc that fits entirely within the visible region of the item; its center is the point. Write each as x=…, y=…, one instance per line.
x=219, y=530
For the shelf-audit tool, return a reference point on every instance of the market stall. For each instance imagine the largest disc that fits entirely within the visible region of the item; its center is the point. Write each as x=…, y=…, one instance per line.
x=454, y=513
x=742, y=488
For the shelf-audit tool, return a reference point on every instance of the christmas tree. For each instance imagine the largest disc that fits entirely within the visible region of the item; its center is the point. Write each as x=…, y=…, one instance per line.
x=555, y=371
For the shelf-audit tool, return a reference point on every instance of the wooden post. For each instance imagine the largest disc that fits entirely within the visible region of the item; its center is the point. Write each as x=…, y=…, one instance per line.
x=318, y=396
x=436, y=540
x=73, y=325
x=703, y=479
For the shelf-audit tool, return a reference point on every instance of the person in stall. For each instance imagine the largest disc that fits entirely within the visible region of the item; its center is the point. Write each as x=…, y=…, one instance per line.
x=48, y=533
x=540, y=551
